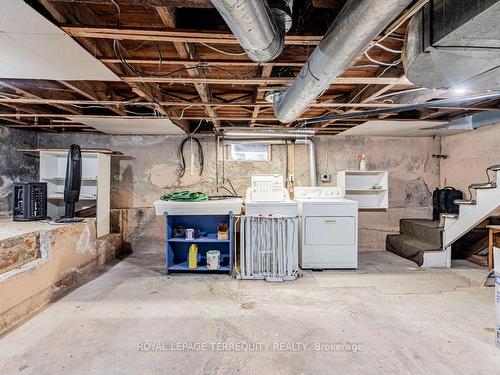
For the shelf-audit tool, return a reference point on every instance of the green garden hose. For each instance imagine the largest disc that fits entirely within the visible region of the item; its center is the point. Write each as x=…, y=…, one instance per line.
x=185, y=196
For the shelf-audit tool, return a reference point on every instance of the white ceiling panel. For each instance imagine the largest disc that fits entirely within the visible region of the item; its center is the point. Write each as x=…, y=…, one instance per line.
x=383, y=128
x=139, y=125
x=31, y=47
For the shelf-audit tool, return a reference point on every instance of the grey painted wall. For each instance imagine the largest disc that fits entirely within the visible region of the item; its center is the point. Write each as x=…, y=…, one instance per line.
x=15, y=166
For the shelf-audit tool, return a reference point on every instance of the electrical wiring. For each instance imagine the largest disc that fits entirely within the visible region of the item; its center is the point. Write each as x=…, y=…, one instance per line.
x=5, y=95
x=195, y=130
x=364, y=66
x=394, y=63
x=326, y=158
x=385, y=48
x=184, y=110
x=366, y=86
x=200, y=155
x=222, y=51
x=401, y=92
x=138, y=113
x=453, y=102
x=119, y=12
x=118, y=48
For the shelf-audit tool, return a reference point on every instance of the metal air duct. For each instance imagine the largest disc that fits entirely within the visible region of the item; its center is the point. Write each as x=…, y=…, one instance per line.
x=357, y=24
x=453, y=44
x=259, y=29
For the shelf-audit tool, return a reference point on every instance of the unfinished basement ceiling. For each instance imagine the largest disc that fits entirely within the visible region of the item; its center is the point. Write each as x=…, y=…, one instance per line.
x=178, y=59
x=33, y=48
x=111, y=125
x=392, y=128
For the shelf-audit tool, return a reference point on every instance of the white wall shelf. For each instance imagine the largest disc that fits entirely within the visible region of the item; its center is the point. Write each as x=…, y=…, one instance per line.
x=369, y=188
x=95, y=188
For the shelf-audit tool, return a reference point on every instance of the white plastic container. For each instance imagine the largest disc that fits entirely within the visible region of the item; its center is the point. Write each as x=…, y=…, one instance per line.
x=213, y=259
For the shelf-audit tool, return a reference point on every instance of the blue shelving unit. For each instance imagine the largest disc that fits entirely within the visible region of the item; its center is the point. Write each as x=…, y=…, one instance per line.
x=178, y=248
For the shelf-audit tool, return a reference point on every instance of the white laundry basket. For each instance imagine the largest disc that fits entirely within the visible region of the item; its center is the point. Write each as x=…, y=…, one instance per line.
x=269, y=248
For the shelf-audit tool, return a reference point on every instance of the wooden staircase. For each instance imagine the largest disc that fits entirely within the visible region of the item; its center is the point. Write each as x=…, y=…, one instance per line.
x=484, y=198
x=429, y=243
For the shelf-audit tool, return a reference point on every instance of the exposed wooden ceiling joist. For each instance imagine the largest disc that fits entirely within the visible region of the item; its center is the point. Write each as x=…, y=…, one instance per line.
x=174, y=36
x=196, y=82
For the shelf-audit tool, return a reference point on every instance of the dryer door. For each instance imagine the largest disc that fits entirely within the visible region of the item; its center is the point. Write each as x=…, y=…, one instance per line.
x=330, y=230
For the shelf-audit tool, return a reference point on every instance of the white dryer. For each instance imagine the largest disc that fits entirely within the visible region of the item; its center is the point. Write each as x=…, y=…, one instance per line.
x=328, y=228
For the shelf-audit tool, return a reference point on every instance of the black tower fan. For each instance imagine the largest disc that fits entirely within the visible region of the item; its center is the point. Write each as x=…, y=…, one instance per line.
x=72, y=184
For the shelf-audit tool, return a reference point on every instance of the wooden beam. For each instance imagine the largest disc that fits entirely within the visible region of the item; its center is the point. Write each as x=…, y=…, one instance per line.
x=205, y=62
x=145, y=90
x=188, y=51
x=331, y=4
x=53, y=10
x=86, y=90
x=259, y=95
x=191, y=118
x=172, y=3
x=262, y=104
x=28, y=94
x=176, y=35
x=369, y=93
x=263, y=81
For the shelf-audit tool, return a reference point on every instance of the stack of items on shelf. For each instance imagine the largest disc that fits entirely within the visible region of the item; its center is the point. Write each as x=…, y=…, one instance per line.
x=199, y=232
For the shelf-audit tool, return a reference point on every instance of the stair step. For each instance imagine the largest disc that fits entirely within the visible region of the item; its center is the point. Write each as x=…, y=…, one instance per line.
x=423, y=229
x=470, y=202
x=409, y=247
x=450, y=216
x=495, y=167
x=483, y=185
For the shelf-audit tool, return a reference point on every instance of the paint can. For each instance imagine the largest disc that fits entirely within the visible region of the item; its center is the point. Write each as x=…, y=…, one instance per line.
x=189, y=234
x=213, y=259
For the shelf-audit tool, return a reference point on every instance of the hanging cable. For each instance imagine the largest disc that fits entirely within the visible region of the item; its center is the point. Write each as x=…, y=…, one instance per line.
x=451, y=102
x=222, y=51
x=394, y=63
x=385, y=48
x=200, y=155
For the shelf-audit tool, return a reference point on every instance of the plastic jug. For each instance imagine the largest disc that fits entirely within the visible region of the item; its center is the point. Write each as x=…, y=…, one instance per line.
x=193, y=256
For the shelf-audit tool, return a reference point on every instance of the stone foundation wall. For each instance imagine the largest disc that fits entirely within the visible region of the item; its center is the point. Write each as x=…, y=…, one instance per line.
x=150, y=167
x=15, y=166
x=66, y=256
x=468, y=155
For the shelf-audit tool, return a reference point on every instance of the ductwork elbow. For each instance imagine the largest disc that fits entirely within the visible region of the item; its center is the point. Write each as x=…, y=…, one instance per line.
x=357, y=24
x=259, y=29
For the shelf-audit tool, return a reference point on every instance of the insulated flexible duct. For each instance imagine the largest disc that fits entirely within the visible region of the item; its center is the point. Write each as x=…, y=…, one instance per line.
x=259, y=29
x=357, y=24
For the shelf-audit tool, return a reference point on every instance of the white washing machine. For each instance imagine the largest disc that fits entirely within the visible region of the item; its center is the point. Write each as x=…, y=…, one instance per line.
x=267, y=196
x=269, y=245
x=284, y=207
x=328, y=228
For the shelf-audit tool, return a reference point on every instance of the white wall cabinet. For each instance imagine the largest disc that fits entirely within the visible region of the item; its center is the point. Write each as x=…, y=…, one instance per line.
x=95, y=188
x=369, y=188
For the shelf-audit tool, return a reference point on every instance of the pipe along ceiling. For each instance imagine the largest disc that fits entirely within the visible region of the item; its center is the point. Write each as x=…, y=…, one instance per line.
x=261, y=31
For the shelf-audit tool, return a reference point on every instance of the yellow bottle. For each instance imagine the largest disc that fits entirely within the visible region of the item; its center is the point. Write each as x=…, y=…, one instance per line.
x=193, y=256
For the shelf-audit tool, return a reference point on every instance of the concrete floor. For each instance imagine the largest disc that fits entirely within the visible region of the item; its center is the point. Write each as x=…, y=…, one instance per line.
x=408, y=320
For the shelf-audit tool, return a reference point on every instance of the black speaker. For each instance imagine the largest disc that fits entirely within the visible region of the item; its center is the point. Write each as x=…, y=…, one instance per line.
x=30, y=201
